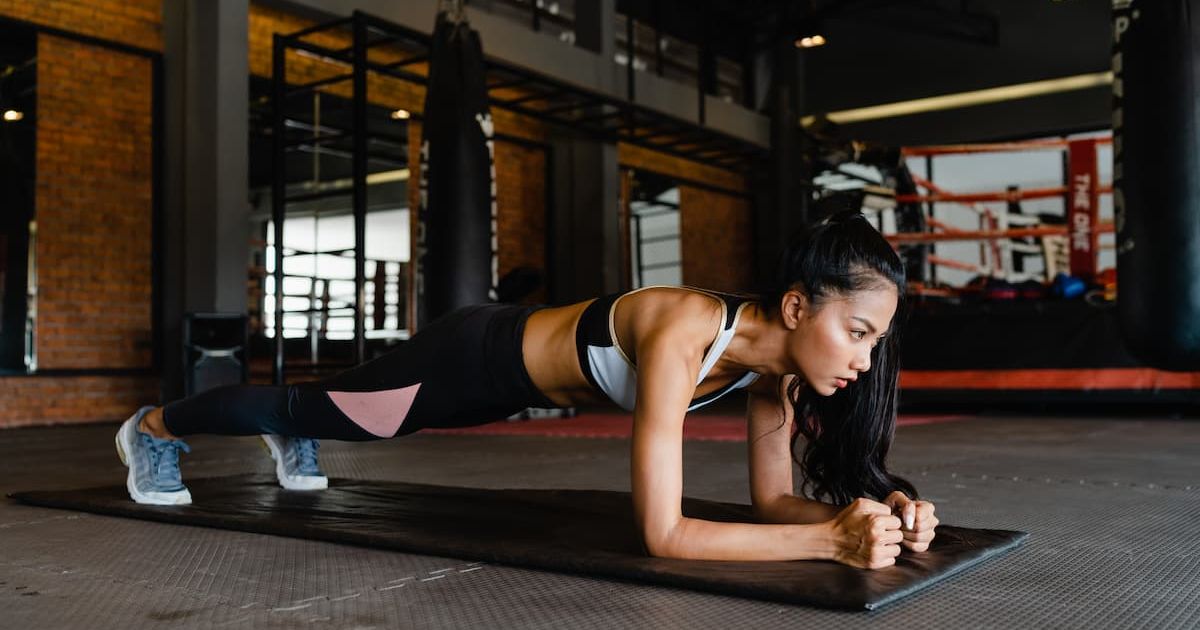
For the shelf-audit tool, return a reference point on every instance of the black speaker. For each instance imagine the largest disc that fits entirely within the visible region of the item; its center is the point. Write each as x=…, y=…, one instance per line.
x=214, y=351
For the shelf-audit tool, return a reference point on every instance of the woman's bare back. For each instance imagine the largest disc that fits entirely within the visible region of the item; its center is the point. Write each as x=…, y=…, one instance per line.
x=553, y=362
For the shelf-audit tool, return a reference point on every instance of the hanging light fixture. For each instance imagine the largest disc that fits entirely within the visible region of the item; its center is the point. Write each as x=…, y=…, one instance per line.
x=808, y=35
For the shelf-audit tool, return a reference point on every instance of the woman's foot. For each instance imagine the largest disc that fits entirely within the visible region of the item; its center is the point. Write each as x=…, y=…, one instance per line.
x=153, y=424
x=153, y=463
x=296, y=462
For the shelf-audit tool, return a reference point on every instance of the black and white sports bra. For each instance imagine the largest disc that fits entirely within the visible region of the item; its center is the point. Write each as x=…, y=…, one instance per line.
x=609, y=369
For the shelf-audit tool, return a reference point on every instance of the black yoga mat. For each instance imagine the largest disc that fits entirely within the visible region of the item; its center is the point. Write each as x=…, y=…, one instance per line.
x=588, y=532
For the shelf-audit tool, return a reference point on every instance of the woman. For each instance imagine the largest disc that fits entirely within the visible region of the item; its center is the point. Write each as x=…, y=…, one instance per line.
x=803, y=350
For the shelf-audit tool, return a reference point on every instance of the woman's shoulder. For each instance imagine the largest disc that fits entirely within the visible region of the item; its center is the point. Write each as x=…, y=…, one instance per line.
x=668, y=304
x=680, y=294
x=668, y=314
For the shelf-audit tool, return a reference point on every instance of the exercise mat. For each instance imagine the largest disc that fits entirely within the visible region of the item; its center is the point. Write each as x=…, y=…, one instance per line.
x=587, y=532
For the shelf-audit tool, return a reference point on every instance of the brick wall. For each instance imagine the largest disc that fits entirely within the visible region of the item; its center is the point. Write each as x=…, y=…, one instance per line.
x=36, y=400
x=93, y=208
x=716, y=238
x=716, y=229
x=521, y=210
x=133, y=22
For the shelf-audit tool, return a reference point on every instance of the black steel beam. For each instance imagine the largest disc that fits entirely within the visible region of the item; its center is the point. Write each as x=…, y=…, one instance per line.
x=321, y=51
x=598, y=117
x=333, y=137
x=278, y=189
x=395, y=73
x=316, y=28
x=502, y=85
x=304, y=88
x=320, y=194
x=579, y=104
x=408, y=62
x=397, y=30
x=359, y=169
x=529, y=98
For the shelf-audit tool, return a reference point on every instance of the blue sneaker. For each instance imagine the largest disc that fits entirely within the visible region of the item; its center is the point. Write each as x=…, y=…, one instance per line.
x=296, y=462
x=153, y=464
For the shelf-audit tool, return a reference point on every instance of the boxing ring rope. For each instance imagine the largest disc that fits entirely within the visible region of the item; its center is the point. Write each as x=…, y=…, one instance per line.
x=1080, y=195
x=994, y=147
x=983, y=211
x=987, y=235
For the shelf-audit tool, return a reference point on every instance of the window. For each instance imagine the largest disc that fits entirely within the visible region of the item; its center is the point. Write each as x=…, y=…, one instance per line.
x=318, y=230
x=18, y=122
x=318, y=284
x=655, y=253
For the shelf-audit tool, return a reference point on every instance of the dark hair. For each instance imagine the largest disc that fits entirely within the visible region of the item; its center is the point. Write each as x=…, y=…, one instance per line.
x=847, y=434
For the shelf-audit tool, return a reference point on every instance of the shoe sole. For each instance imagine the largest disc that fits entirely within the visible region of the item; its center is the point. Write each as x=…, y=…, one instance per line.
x=291, y=482
x=123, y=440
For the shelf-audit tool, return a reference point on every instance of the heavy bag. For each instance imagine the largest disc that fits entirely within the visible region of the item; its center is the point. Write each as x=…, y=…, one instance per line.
x=1156, y=178
x=456, y=234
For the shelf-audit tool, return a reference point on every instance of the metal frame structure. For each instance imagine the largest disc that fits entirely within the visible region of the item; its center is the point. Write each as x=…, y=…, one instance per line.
x=543, y=98
x=540, y=97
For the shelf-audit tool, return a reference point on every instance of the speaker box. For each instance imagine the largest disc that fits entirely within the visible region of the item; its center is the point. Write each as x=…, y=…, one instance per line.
x=214, y=351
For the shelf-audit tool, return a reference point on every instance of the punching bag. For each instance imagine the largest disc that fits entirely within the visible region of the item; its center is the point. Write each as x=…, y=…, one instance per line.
x=1156, y=178
x=456, y=235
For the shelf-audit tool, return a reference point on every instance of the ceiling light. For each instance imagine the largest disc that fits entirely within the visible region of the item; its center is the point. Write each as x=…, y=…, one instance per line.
x=400, y=114
x=383, y=177
x=12, y=115
x=969, y=99
x=810, y=41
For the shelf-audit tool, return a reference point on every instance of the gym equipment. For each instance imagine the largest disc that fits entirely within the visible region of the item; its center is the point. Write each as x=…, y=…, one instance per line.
x=588, y=532
x=1156, y=156
x=456, y=242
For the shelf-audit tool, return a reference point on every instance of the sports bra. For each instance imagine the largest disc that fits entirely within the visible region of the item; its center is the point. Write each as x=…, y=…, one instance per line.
x=609, y=369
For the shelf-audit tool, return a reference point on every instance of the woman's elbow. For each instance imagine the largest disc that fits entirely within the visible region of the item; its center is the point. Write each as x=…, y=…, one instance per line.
x=658, y=546
x=661, y=542
x=765, y=511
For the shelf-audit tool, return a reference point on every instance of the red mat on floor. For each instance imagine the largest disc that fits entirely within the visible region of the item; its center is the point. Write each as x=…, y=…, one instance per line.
x=617, y=425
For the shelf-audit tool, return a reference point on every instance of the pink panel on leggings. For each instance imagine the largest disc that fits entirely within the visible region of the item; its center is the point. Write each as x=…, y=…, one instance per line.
x=380, y=413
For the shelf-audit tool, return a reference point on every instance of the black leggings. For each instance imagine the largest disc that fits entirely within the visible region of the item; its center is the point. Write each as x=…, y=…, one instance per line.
x=464, y=369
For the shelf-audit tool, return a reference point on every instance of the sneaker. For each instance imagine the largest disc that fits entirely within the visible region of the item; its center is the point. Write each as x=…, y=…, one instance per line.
x=153, y=464
x=296, y=462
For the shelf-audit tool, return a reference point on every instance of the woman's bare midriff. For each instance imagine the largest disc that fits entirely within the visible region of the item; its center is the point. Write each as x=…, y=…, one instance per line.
x=550, y=357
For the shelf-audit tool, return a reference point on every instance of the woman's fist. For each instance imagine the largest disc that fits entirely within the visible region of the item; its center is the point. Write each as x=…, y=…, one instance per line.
x=866, y=535
x=917, y=516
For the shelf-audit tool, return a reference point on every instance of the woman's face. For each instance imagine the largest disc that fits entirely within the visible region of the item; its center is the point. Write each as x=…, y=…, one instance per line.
x=830, y=345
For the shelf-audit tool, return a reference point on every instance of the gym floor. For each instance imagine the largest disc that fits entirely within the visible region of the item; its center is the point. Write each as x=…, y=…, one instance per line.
x=1112, y=506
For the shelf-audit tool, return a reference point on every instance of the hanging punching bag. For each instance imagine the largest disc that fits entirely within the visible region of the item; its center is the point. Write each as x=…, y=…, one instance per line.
x=456, y=237
x=1156, y=178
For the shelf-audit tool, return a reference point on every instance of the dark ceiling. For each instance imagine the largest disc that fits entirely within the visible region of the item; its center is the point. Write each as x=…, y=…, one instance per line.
x=868, y=62
x=887, y=51
x=735, y=29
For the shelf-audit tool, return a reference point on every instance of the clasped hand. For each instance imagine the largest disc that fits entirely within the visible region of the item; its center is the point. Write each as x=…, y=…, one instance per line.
x=869, y=534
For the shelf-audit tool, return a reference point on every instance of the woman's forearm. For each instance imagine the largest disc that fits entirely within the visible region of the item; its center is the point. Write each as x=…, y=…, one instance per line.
x=793, y=509
x=696, y=539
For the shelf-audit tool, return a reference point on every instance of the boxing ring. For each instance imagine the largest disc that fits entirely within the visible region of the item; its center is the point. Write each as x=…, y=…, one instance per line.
x=1036, y=322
